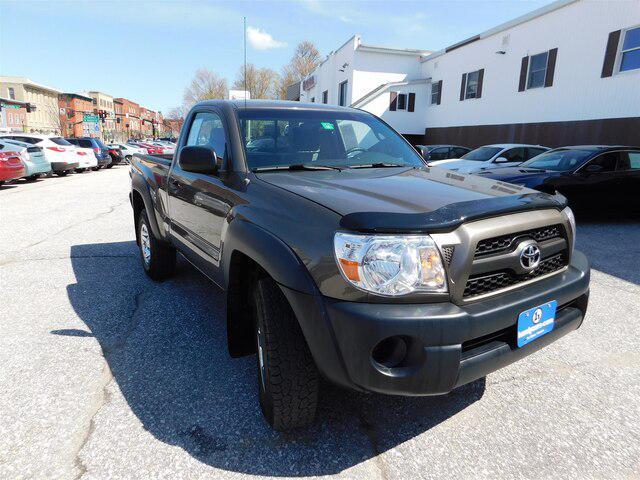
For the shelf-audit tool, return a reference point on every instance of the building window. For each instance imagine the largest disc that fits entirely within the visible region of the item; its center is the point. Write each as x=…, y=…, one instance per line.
x=12, y=93
x=537, y=70
x=630, y=50
x=402, y=101
x=342, y=95
x=325, y=96
x=435, y=93
x=471, y=87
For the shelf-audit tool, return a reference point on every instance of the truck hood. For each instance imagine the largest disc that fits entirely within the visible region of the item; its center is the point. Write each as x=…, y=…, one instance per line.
x=392, y=199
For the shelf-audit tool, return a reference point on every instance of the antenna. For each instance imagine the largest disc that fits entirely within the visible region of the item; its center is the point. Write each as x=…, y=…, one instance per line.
x=244, y=22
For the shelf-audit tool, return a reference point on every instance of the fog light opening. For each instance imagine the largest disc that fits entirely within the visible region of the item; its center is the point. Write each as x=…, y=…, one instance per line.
x=391, y=352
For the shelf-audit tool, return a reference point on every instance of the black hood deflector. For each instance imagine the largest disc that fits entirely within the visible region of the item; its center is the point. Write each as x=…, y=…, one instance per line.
x=449, y=217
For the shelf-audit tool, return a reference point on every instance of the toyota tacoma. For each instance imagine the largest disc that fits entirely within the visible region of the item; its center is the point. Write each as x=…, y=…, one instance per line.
x=343, y=256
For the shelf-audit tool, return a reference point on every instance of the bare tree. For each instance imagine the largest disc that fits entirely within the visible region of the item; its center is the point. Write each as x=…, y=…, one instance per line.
x=305, y=59
x=260, y=82
x=205, y=85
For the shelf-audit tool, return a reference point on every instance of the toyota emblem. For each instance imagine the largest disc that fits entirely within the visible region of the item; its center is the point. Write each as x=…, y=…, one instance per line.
x=530, y=257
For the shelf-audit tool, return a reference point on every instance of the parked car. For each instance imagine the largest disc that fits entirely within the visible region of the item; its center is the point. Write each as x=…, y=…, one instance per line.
x=11, y=167
x=441, y=152
x=32, y=157
x=128, y=150
x=60, y=154
x=491, y=156
x=592, y=177
x=116, y=155
x=86, y=157
x=167, y=148
x=344, y=256
x=150, y=149
x=100, y=150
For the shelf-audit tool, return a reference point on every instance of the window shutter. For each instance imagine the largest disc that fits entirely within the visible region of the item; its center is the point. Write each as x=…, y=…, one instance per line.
x=393, y=102
x=551, y=67
x=412, y=102
x=610, y=54
x=524, y=66
x=439, y=92
x=463, y=85
x=480, y=78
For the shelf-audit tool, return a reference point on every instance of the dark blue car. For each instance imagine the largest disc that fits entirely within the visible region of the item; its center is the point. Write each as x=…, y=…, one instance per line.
x=592, y=177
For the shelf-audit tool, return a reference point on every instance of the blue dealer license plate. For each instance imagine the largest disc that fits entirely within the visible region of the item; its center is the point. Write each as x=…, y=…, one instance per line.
x=536, y=322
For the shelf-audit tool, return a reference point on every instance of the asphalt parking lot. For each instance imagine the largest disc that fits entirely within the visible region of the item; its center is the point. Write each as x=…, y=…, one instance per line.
x=106, y=374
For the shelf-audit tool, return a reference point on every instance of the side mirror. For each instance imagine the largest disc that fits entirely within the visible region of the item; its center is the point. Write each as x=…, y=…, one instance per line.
x=593, y=168
x=500, y=160
x=198, y=159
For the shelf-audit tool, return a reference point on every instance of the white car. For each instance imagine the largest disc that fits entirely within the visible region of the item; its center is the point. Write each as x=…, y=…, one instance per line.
x=86, y=159
x=59, y=153
x=128, y=150
x=167, y=148
x=491, y=156
x=35, y=162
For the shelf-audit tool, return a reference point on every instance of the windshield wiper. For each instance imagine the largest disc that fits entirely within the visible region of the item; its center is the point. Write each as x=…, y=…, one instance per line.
x=380, y=165
x=296, y=167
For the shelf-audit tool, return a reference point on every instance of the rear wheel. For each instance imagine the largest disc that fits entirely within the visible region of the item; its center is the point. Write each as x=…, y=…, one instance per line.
x=158, y=259
x=95, y=169
x=33, y=178
x=61, y=173
x=79, y=170
x=287, y=374
x=110, y=165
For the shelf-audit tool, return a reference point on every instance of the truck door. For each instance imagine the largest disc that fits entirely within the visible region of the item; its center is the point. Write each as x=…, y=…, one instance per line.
x=198, y=203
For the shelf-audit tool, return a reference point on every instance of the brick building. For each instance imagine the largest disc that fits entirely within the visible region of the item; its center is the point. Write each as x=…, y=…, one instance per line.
x=77, y=117
x=129, y=117
x=13, y=115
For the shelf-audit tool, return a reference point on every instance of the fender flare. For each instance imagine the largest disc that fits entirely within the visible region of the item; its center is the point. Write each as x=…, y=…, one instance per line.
x=139, y=185
x=268, y=251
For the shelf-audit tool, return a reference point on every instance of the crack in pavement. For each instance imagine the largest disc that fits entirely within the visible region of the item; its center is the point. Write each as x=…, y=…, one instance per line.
x=105, y=380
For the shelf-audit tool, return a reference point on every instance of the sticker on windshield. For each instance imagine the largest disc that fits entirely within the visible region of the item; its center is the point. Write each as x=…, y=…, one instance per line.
x=327, y=125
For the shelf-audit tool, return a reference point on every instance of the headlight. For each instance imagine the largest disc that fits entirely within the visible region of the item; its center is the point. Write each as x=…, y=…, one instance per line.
x=572, y=222
x=390, y=265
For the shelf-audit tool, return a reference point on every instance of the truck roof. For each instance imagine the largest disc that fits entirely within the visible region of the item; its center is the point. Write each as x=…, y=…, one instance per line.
x=276, y=104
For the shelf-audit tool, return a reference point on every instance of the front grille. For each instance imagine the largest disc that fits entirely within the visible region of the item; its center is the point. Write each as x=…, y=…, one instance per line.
x=447, y=254
x=487, y=283
x=504, y=243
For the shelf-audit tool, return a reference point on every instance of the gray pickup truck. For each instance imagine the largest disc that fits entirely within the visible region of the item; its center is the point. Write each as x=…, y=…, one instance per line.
x=343, y=256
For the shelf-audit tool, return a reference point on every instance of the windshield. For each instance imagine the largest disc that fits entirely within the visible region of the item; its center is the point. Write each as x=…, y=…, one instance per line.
x=481, y=154
x=59, y=141
x=560, y=160
x=281, y=138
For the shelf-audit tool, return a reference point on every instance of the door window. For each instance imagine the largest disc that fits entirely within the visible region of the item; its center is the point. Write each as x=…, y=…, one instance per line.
x=207, y=130
x=629, y=161
x=439, y=154
x=513, y=155
x=532, y=152
x=606, y=161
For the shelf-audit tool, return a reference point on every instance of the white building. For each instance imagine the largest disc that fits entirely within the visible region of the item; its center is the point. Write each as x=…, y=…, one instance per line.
x=568, y=73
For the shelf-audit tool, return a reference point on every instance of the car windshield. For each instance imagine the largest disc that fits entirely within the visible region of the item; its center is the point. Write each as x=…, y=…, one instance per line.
x=560, y=160
x=278, y=138
x=481, y=154
x=60, y=141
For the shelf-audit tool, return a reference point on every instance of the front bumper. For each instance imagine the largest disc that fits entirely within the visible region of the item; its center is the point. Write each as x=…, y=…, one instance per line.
x=451, y=345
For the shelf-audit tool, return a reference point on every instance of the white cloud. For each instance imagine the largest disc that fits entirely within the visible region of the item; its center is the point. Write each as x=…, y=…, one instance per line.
x=261, y=40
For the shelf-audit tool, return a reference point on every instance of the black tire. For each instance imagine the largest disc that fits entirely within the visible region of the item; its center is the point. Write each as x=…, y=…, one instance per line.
x=109, y=166
x=95, y=169
x=33, y=178
x=287, y=375
x=79, y=170
x=61, y=173
x=160, y=263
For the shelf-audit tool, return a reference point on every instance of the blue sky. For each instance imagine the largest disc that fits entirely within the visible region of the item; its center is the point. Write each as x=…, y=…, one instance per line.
x=148, y=51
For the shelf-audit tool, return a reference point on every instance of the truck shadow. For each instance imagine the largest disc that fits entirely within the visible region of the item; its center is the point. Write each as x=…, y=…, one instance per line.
x=166, y=347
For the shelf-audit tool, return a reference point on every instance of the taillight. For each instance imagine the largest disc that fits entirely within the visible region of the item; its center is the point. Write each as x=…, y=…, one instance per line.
x=81, y=153
x=56, y=149
x=97, y=150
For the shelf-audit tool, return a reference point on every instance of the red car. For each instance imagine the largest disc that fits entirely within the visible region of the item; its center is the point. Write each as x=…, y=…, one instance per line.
x=151, y=149
x=11, y=167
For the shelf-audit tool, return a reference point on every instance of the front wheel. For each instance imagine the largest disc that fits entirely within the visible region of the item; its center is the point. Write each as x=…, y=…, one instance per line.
x=109, y=166
x=95, y=169
x=62, y=173
x=158, y=259
x=287, y=374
